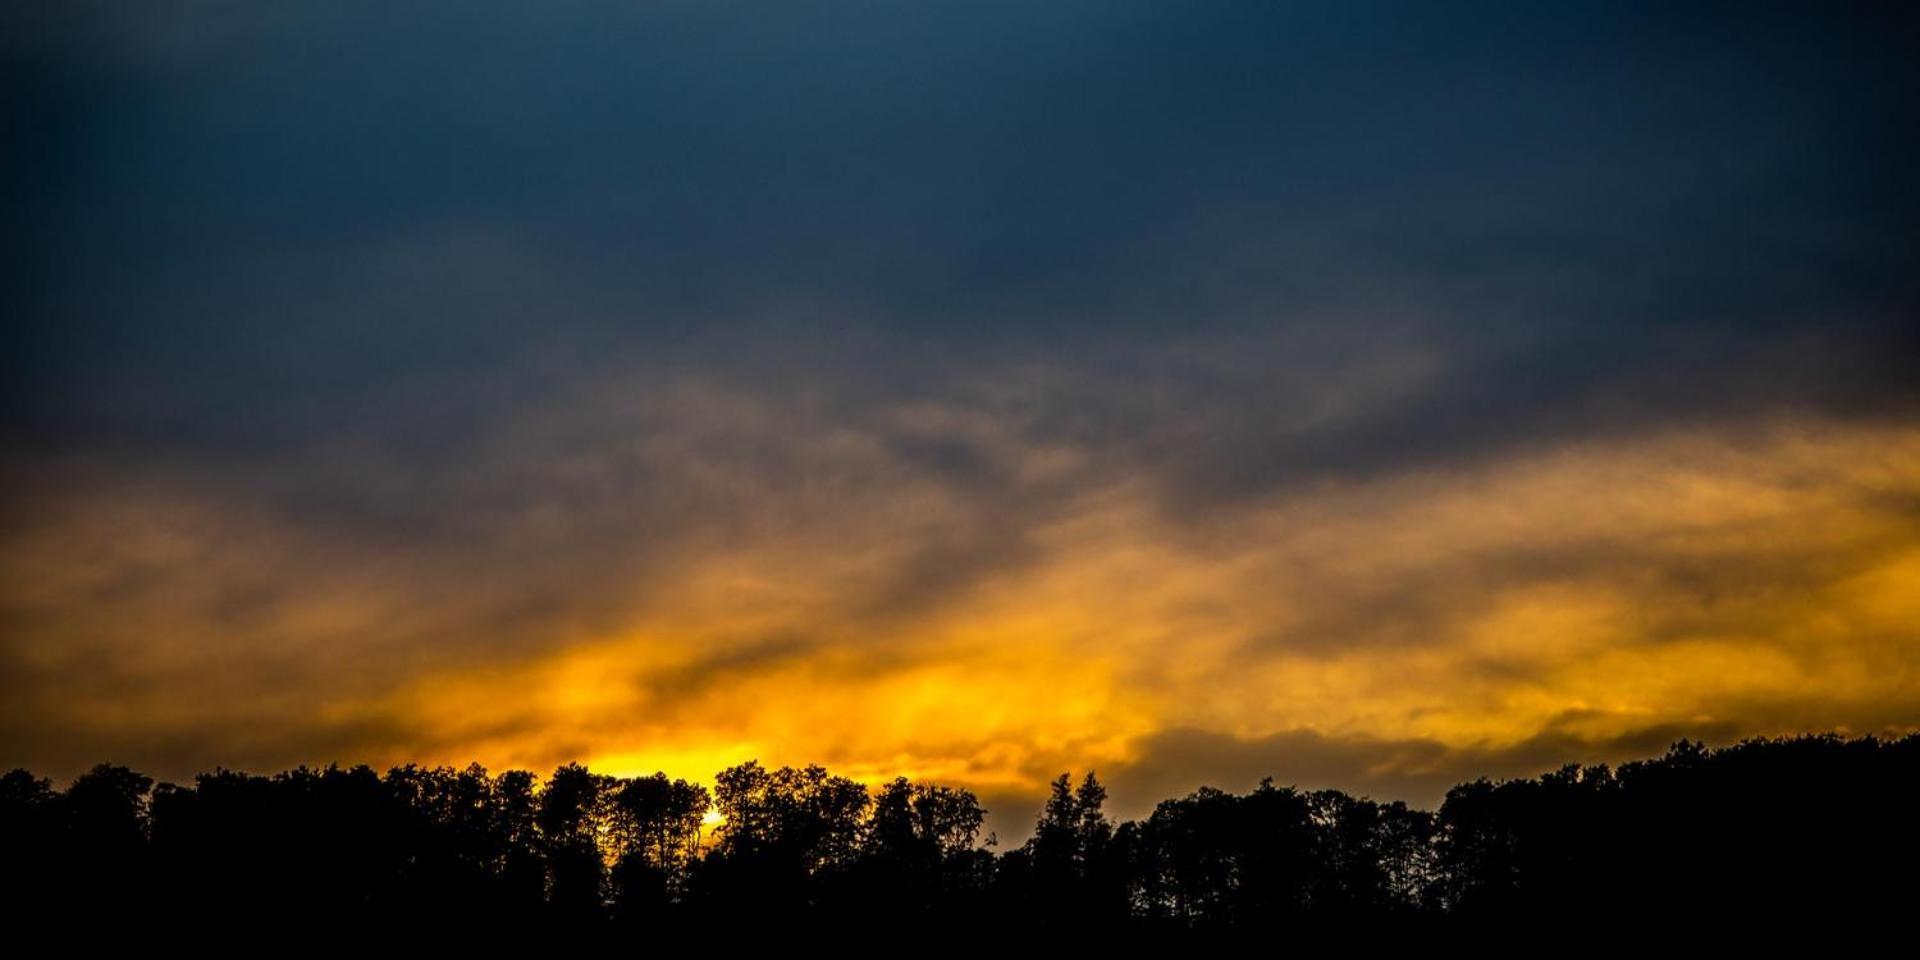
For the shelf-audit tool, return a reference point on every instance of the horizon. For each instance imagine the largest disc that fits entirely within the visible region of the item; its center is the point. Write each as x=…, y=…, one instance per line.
x=1003, y=831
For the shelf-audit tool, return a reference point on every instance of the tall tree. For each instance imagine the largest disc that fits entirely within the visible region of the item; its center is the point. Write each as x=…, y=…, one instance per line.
x=655, y=829
x=571, y=818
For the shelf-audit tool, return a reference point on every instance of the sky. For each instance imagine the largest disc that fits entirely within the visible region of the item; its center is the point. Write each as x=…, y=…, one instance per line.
x=1371, y=396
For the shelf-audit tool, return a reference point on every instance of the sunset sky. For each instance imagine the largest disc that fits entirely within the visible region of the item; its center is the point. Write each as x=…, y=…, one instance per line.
x=1373, y=396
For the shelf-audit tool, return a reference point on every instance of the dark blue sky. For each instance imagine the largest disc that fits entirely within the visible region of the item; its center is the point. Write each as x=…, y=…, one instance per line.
x=1700, y=204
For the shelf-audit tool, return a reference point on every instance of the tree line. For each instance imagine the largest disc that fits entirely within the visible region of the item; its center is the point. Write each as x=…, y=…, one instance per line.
x=1806, y=826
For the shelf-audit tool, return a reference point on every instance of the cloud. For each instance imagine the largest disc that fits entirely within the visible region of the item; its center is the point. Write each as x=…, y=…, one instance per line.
x=974, y=392
x=684, y=574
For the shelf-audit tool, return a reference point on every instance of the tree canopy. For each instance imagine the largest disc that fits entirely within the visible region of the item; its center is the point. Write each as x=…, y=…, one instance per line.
x=1804, y=826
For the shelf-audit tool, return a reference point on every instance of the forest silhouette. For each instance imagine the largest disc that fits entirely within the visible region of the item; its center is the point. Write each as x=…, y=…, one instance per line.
x=1815, y=826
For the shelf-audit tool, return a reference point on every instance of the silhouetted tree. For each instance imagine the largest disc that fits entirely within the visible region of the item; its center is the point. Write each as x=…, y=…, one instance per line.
x=28, y=853
x=522, y=870
x=1069, y=873
x=99, y=826
x=919, y=860
x=1805, y=829
x=655, y=833
x=571, y=818
x=785, y=835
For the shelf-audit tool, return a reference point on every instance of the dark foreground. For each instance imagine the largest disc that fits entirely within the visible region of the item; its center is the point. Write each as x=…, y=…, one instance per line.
x=1814, y=830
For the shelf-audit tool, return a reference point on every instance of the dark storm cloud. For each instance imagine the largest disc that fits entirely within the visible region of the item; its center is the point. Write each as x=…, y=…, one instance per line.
x=257, y=223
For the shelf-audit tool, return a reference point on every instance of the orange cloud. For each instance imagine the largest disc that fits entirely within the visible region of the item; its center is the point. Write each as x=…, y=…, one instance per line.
x=1749, y=580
